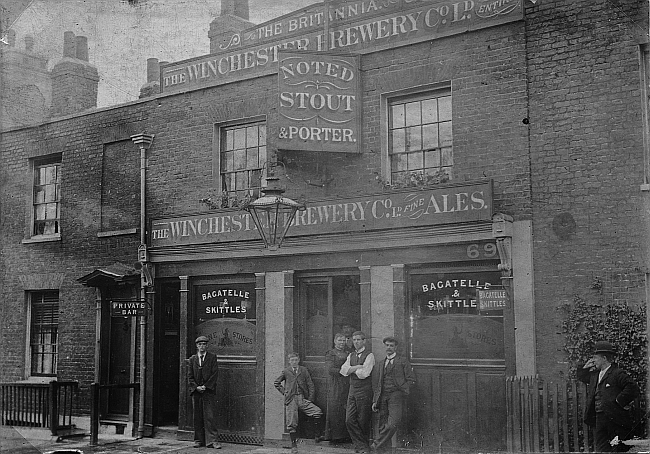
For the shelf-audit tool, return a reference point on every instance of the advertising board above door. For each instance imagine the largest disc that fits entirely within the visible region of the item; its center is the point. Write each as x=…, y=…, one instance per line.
x=435, y=205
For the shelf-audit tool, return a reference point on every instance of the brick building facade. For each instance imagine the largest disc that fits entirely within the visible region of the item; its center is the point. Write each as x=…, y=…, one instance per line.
x=531, y=121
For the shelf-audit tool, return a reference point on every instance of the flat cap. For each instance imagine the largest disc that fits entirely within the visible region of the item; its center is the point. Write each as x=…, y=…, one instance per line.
x=201, y=339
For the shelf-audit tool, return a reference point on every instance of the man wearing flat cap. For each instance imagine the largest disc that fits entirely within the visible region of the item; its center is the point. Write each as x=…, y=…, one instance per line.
x=610, y=391
x=202, y=382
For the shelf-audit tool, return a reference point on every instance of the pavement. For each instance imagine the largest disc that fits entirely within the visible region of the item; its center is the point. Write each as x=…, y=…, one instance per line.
x=18, y=440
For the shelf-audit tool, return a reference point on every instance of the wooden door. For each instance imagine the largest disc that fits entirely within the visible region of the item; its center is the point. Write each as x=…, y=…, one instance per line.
x=456, y=346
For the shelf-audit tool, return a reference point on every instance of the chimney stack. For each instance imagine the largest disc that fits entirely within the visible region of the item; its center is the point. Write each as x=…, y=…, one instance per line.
x=233, y=19
x=152, y=87
x=74, y=80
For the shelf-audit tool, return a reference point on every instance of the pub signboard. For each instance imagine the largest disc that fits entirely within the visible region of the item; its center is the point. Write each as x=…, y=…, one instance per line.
x=319, y=102
x=356, y=26
x=436, y=205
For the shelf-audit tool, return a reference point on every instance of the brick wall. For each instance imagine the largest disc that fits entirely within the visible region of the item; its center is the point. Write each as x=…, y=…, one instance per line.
x=586, y=157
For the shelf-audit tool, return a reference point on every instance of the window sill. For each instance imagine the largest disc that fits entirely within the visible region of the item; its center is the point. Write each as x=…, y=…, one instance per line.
x=116, y=233
x=42, y=239
x=39, y=379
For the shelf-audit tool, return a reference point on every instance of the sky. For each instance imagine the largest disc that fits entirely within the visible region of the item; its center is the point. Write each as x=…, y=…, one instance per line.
x=122, y=34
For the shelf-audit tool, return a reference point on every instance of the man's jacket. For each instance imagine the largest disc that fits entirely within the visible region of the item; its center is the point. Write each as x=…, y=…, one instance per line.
x=617, y=390
x=205, y=375
x=294, y=384
x=403, y=373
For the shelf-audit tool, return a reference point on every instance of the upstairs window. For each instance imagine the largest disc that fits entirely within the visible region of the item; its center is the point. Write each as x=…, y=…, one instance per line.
x=44, y=326
x=47, y=197
x=420, y=140
x=242, y=158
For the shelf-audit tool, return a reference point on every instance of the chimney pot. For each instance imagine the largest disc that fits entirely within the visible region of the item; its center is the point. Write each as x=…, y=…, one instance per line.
x=153, y=70
x=81, y=47
x=29, y=43
x=69, y=45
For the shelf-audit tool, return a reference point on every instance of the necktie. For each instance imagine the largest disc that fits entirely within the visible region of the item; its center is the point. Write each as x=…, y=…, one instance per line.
x=295, y=370
x=388, y=362
x=201, y=358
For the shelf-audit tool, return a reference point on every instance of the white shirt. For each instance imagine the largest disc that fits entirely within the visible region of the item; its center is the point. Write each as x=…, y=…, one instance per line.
x=601, y=374
x=362, y=372
x=388, y=358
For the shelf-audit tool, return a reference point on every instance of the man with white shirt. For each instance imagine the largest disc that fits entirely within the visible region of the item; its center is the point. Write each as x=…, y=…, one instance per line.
x=609, y=393
x=202, y=383
x=358, y=366
x=395, y=378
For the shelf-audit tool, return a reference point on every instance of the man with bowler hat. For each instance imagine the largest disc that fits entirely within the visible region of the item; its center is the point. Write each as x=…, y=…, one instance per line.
x=202, y=381
x=610, y=391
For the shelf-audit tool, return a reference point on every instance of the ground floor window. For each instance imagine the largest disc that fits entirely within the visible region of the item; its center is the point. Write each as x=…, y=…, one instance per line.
x=44, y=327
x=456, y=315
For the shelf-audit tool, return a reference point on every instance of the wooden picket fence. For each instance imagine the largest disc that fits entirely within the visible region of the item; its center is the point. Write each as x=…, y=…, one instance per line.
x=548, y=416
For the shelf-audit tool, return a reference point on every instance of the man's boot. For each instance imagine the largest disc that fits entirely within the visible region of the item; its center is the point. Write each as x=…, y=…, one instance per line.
x=317, y=424
x=294, y=442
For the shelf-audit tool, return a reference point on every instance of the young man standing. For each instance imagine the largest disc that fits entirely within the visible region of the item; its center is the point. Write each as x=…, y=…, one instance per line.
x=359, y=367
x=202, y=381
x=395, y=378
x=298, y=391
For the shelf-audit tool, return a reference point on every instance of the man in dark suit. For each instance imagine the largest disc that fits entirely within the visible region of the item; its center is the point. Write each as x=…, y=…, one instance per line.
x=202, y=381
x=299, y=392
x=609, y=393
x=389, y=399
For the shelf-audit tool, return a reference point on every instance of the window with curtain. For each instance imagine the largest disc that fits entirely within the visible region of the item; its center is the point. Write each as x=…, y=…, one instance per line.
x=46, y=198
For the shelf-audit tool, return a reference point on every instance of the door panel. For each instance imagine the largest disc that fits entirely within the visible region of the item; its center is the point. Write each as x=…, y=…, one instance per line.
x=167, y=354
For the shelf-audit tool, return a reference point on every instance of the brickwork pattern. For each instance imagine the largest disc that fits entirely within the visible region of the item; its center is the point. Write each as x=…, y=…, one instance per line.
x=586, y=154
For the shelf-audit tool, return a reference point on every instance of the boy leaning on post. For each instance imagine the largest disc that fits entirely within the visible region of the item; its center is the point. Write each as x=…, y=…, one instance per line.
x=298, y=391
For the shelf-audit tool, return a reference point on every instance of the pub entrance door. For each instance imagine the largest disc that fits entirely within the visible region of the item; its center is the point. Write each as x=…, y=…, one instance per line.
x=456, y=347
x=225, y=311
x=117, y=365
x=327, y=304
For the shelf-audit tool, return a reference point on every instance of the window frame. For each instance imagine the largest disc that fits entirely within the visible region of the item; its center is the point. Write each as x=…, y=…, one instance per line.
x=219, y=130
x=29, y=364
x=35, y=163
x=386, y=101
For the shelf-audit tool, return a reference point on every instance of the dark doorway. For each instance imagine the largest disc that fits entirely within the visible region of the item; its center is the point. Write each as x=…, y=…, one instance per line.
x=117, y=365
x=167, y=363
x=327, y=304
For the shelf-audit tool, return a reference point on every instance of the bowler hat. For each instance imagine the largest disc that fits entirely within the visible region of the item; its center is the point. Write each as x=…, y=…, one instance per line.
x=603, y=347
x=201, y=339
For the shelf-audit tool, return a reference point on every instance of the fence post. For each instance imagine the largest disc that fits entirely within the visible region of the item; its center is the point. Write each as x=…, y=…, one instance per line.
x=54, y=407
x=94, y=413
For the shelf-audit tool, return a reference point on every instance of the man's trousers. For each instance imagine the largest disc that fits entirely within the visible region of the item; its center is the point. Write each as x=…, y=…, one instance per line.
x=357, y=417
x=391, y=410
x=205, y=417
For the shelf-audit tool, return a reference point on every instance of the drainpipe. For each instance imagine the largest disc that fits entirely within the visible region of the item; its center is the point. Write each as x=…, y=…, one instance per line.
x=143, y=141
